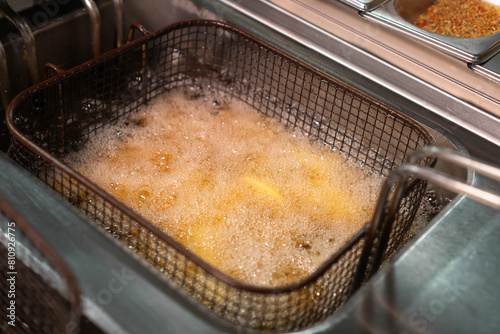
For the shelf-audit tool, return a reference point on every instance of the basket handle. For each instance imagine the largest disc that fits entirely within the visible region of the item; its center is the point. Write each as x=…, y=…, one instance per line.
x=133, y=28
x=412, y=169
x=387, y=208
x=50, y=67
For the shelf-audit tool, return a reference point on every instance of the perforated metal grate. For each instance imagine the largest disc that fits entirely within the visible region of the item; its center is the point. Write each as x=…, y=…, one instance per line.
x=59, y=115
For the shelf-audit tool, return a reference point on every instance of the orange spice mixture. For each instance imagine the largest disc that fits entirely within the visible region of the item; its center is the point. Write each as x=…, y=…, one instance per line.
x=460, y=18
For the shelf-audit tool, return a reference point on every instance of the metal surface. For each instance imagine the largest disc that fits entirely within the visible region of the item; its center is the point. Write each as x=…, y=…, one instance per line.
x=445, y=282
x=95, y=26
x=464, y=161
x=363, y=4
x=346, y=120
x=400, y=13
x=19, y=5
x=4, y=80
x=67, y=24
x=118, y=7
x=40, y=302
x=395, y=184
x=4, y=99
x=490, y=69
x=436, y=89
x=28, y=39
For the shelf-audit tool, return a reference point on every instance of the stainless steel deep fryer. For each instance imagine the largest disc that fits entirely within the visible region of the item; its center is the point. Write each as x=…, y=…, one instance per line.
x=58, y=116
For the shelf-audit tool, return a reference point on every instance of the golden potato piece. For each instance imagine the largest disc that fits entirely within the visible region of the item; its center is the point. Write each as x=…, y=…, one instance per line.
x=261, y=187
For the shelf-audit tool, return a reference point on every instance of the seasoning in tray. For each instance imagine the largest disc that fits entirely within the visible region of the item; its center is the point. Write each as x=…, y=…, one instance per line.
x=460, y=18
x=259, y=203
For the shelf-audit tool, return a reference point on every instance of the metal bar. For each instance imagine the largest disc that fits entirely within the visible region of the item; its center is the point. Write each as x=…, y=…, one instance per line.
x=27, y=35
x=461, y=160
x=95, y=26
x=387, y=208
x=136, y=26
x=4, y=78
x=449, y=183
x=381, y=215
x=118, y=7
x=51, y=67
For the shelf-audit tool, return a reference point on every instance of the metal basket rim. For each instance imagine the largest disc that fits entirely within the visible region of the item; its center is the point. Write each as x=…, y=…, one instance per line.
x=146, y=224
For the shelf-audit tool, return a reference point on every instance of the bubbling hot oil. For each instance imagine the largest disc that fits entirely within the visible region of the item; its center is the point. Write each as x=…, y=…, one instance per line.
x=261, y=204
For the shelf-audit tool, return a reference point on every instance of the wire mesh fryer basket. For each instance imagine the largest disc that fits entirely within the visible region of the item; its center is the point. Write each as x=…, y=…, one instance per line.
x=60, y=115
x=40, y=293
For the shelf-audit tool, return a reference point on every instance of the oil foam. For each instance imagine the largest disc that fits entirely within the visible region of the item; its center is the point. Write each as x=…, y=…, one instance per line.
x=256, y=201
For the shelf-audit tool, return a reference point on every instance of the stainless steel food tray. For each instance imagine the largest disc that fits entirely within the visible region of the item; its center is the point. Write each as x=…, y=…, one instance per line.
x=397, y=14
x=363, y=4
x=490, y=69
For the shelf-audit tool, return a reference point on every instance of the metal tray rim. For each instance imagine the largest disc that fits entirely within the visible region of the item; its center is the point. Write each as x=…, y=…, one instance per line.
x=473, y=50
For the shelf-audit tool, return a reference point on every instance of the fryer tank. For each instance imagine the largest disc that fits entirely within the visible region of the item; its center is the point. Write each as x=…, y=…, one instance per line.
x=444, y=280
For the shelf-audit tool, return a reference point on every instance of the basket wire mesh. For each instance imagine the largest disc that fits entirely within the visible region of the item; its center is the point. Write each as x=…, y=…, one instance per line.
x=39, y=291
x=60, y=115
